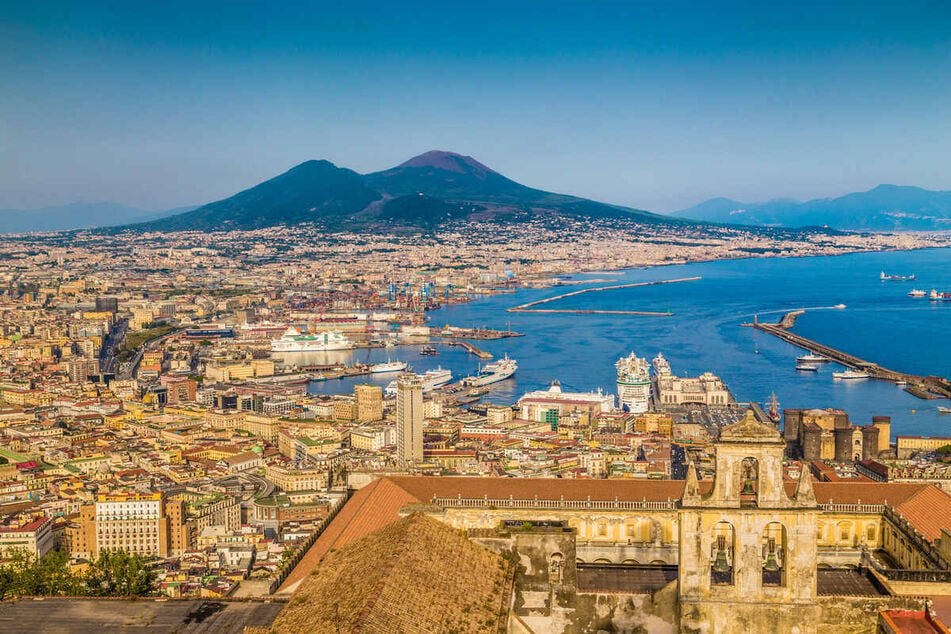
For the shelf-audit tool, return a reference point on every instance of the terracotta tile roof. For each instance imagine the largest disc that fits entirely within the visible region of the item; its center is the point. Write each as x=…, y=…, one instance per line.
x=929, y=511
x=865, y=492
x=415, y=576
x=372, y=507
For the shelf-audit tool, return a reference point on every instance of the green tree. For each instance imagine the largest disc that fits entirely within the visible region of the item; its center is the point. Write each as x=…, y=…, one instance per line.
x=116, y=573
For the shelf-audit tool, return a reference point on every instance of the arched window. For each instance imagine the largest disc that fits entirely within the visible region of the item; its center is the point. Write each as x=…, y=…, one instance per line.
x=722, y=548
x=844, y=533
x=749, y=482
x=774, y=554
x=556, y=565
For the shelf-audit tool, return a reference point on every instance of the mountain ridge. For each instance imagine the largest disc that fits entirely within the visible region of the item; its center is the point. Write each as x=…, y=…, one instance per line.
x=885, y=207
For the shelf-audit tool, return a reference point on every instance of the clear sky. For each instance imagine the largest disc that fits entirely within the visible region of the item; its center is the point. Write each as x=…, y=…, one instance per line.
x=656, y=105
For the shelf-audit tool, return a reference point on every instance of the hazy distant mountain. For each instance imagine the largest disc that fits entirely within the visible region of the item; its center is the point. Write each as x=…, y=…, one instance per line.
x=422, y=192
x=884, y=208
x=80, y=215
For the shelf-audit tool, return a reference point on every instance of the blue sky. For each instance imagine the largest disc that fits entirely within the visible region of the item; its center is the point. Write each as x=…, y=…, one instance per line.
x=653, y=105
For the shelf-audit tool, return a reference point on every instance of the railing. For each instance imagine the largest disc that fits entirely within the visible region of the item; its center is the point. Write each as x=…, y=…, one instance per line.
x=905, y=574
x=560, y=504
x=853, y=508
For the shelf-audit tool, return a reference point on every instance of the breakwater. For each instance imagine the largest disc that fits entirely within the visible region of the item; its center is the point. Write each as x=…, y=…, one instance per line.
x=924, y=387
x=530, y=307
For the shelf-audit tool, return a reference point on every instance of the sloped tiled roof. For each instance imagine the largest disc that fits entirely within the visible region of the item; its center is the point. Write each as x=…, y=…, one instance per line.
x=372, y=507
x=416, y=575
x=928, y=510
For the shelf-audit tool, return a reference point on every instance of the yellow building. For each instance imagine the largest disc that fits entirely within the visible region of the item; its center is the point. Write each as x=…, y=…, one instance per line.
x=369, y=400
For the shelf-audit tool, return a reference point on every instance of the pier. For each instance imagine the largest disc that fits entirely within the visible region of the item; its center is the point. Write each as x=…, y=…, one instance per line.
x=530, y=306
x=471, y=349
x=925, y=387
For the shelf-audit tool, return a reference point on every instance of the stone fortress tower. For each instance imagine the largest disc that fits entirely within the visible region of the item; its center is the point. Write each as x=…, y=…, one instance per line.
x=747, y=548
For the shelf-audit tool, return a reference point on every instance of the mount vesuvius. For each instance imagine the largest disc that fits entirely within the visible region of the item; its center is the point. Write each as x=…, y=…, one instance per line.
x=424, y=192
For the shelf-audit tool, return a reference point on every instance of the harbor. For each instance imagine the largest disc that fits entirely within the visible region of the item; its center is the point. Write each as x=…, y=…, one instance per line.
x=923, y=387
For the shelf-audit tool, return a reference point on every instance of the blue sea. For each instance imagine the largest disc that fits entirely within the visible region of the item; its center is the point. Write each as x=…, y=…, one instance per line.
x=880, y=323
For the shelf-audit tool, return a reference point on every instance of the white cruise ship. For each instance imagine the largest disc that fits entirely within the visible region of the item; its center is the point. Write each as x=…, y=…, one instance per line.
x=389, y=366
x=293, y=341
x=850, y=375
x=633, y=383
x=431, y=380
x=661, y=365
x=493, y=372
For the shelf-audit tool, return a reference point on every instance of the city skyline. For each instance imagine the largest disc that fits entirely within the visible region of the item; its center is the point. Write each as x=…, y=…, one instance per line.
x=651, y=107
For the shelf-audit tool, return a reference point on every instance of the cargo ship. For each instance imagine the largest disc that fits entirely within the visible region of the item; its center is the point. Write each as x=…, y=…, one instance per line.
x=493, y=372
x=293, y=341
x=634, y=383
x=896, y=278
x=939, y=296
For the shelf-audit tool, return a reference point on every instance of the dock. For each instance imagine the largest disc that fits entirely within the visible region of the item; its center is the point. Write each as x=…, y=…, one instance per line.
x=530, y=306
x=471, y=349
x=925, y=387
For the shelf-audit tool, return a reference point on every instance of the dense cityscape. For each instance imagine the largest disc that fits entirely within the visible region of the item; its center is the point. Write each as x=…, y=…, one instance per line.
x=475, y=318
x=155, y=403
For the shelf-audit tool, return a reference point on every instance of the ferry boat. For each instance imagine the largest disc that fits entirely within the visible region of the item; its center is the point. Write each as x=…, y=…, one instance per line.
x=916, y=293
x=944, y=410
x=850, y=374
x=634, y=383
x=431, y=379
x=896, y=278
x=812, y=358
x=293, y=341
x=389, y=366
x=493, y=372
x=939, y=296
x=807, y=367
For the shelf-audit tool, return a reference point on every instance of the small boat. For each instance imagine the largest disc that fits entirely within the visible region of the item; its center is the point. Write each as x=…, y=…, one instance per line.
x=944, y=410
x=850, y=374
x=812, y=358
x=428, y=351
x=807, y=367
x=839, y=307
x=896, y=278
x=916, y=292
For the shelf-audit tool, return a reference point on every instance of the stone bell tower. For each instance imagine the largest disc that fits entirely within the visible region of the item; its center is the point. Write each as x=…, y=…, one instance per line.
x=747, y=547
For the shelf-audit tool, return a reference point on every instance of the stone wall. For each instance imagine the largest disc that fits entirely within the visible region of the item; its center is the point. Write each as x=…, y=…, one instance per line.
x=859, y=615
